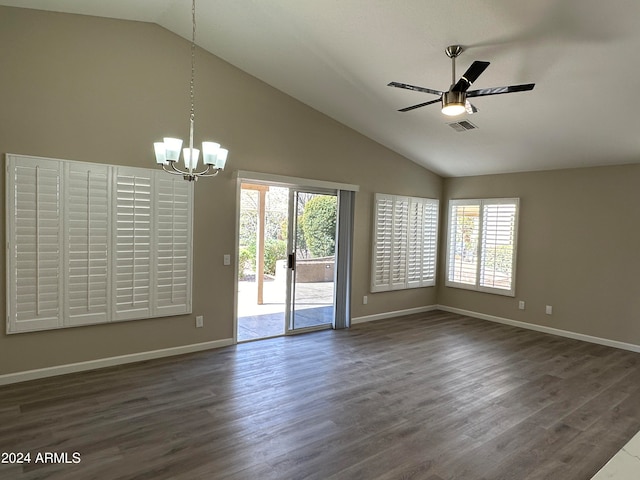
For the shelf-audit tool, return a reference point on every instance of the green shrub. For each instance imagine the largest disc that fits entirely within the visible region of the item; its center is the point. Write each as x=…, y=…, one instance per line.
x=318, y=224
x=273, y=250
x=246, y=259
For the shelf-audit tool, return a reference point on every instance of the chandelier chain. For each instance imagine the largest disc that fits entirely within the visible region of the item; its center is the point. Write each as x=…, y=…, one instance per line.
x=193, y=60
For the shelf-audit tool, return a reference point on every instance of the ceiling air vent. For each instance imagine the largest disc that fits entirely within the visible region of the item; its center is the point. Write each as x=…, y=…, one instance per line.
x=462, y=126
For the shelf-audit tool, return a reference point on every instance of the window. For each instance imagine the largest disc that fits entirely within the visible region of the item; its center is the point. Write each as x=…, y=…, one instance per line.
x=481, y=245
x=405, y=242
x=91, y=243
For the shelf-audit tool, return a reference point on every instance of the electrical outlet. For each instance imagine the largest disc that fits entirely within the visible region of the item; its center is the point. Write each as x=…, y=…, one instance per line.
x=548, y=310
x=521, y=304
x=365, y=299
x=226, y=259
x=199, y=321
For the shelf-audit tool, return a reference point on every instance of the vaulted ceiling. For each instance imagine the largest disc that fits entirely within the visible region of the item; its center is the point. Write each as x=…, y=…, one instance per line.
x=338, y=56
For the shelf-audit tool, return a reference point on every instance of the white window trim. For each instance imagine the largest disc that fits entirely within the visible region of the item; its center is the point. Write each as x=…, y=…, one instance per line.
x=481, y=203
x=400, y=280
x=62, y=317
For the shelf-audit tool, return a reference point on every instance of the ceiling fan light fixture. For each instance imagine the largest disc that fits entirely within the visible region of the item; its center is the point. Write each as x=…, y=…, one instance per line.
x=453, y=103
x=453, y=109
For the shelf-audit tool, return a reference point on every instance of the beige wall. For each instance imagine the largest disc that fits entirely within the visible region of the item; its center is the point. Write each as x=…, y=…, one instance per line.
x=102, y=90
x=578, y=250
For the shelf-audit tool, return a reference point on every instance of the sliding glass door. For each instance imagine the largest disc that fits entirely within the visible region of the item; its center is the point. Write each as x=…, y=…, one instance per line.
x=294, y=255
x=311, y=259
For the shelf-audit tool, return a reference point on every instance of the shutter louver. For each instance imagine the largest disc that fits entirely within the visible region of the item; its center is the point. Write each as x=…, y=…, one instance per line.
x=173, y=245
x=132, y=244
x=34, y=258
x=88, y=236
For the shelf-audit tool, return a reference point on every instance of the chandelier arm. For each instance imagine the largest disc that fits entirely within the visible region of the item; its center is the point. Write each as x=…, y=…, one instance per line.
x=173, y=170
x=210, y=173
x=207, y=172
x=204, y=172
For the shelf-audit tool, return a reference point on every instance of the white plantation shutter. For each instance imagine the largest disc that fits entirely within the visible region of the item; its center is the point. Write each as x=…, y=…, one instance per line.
x=132, y=250
x=87, y=235
x=464, y=231
x=399, y=243
x=429, y=241
x=173, y=225
x=405, y=242
x=382, y=243
x=90, y=243
x=34, y=259
x=498, y=244
x=481, y=244
x=422, y=245
x=415, y=235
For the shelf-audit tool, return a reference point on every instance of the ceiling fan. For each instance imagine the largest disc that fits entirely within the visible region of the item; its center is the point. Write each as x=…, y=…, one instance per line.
x=454, y=101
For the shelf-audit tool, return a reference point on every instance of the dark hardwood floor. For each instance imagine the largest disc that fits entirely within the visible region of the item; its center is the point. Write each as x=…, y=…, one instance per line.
x=435, y=396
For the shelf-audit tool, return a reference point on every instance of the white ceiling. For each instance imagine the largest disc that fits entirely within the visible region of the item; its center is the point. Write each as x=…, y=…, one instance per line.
x=339, y=55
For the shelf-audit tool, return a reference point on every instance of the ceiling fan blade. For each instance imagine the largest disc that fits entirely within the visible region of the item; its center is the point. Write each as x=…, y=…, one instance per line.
x=415, y=88
x=500, y=90
x=470, y=76
x=413, y=107
x=470, y=107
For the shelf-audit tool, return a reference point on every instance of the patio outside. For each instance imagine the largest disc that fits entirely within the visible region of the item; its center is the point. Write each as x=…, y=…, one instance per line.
x=314, y=305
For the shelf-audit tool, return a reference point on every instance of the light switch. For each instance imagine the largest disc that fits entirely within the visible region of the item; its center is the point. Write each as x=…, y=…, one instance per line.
x=227, y=259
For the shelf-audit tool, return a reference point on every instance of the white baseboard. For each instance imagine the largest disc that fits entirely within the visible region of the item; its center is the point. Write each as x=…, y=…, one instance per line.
x=397, y=313
x=541, y=328
x=110, y=361
x=168, y=352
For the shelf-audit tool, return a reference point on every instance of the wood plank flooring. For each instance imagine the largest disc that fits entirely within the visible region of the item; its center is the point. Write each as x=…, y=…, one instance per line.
x=434, y=396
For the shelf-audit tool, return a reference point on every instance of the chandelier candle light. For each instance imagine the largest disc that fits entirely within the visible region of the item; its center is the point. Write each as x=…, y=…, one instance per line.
x=168, y=151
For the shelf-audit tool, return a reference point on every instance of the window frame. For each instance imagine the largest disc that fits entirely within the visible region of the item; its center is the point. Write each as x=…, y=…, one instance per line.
x=481, y=203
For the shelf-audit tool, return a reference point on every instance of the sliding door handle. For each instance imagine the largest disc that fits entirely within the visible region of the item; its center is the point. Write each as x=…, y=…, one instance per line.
x=291, y=261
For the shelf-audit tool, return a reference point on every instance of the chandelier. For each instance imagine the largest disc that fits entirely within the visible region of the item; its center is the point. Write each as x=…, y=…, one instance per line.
x=168, y=151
